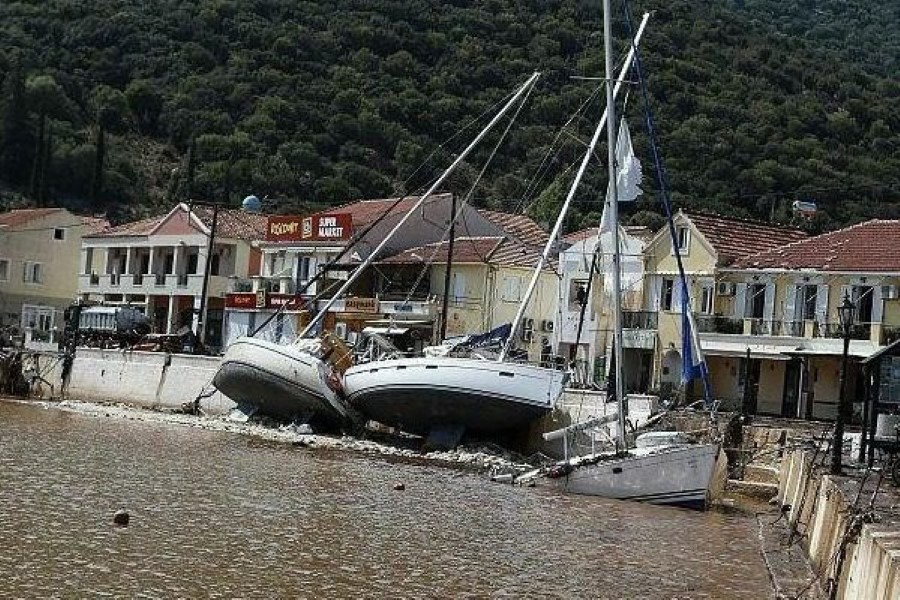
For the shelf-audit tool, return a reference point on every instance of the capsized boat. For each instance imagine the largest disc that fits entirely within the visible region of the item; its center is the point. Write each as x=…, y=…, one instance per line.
x=296, y=380
x=662, y=468
x=482, y=396
x=477, y=395
x=292, y=381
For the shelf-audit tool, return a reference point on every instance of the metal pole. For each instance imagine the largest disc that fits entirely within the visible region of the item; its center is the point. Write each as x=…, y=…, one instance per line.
x=837, y=448
x=449, y=268
x=613, y=207
x=867, y=398
x=201, y=318
x=557, y=228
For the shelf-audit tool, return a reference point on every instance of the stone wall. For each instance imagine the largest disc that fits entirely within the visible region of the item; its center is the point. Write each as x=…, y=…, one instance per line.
x=833, y=519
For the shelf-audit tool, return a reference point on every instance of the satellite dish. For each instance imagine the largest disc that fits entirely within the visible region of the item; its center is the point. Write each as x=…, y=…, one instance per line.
x=251, y=204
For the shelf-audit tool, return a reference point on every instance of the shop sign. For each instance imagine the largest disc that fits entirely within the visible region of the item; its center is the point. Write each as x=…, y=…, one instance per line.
x=334, y=227
x=361, y=305
x=262, y=300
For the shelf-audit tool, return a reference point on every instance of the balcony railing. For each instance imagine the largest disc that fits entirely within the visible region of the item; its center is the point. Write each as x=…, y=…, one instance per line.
x=890, y=335
x=242, y=286
x=788, y=328
x=639, y=319
x=719, y=324
x=860, y=331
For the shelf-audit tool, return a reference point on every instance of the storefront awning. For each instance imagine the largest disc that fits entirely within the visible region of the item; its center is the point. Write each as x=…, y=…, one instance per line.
x=734, y=349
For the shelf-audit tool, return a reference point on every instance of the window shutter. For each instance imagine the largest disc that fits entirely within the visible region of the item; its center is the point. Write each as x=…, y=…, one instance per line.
x=877, y=304
x=769, y=309
x=790, y=304
x=740, y=300
x=822, y=304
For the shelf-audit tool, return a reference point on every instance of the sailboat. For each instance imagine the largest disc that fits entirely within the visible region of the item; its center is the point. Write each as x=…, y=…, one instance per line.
x=303, y=380
x=470, y=394
x=662, y=467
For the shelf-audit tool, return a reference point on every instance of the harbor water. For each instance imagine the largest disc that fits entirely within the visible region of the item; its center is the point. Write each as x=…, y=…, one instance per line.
x=221, y=514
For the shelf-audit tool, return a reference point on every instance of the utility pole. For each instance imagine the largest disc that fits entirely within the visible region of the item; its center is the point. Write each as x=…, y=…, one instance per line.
x=201, y=317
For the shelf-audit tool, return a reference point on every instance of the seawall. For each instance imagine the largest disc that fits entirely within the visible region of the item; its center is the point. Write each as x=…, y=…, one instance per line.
x=848, y=530
x=146, y=379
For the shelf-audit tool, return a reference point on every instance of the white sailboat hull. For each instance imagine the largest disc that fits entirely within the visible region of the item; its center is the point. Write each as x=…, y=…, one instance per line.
x=683, y=475
x=483, y=396
x=280, y=381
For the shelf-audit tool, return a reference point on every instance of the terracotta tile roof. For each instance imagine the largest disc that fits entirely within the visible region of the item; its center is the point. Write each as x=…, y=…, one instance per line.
x=94, y=224
x=521, y=227
x=232, y=223
x=19, y=217
x=471, y=250
x=142, y=227
x=734, y=238
x=365, y=211
x=870, y=247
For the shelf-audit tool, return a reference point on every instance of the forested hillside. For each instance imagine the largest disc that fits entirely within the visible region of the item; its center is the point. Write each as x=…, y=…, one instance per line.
x=125, y=106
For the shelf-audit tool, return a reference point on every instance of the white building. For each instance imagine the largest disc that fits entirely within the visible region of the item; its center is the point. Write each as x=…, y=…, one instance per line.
x=158, y=265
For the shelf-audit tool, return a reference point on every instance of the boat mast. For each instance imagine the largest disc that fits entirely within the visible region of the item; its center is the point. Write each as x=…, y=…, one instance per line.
x=374, y=254
x=551, y=241
x=612, y=201
x=446, y=301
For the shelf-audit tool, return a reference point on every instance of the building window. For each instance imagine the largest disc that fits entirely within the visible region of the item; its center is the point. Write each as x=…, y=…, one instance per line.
x=59, y=234
x=39, y=318
x=34, y=273
x=810, y=297
x=683, y=237
x=4, y=269
x=668, y=293
x=706, y=300
x=304, y=268
x=512, y=289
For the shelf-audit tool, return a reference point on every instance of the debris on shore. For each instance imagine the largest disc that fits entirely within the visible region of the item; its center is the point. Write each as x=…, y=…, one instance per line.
x=480, y=458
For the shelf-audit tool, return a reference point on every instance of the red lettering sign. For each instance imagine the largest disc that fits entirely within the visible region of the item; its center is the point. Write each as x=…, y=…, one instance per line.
x=314, y=228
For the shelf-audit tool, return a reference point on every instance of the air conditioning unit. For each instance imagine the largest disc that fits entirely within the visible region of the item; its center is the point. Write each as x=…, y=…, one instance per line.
x=889, y=292
x=725, y=288
x=547, y=326
x=527, y=330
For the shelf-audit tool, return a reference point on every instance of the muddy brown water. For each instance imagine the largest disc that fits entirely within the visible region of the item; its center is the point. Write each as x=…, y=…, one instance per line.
x=222, y=515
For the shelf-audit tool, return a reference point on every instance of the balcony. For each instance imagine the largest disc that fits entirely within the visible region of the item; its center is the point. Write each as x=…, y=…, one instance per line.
x=153, y=283
x=241, y=286
x=719, y=324
x=860, y=331
x=639, y=319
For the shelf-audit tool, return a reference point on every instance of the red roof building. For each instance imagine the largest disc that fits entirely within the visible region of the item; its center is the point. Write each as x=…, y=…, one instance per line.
x=870, y=247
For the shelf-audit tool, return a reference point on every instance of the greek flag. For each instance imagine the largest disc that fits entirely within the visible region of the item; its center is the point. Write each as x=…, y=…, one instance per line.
x=693, y=364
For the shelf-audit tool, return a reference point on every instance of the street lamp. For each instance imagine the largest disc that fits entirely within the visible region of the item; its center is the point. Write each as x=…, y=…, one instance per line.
x=846, y=315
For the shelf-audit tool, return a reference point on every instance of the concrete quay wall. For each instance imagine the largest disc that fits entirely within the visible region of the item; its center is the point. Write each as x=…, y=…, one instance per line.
x=819, y=507
x=147, y=379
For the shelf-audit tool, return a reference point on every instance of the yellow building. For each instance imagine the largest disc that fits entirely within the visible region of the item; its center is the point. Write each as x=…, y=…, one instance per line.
x=708, y=244
x=783, y=308
x=39, y=251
